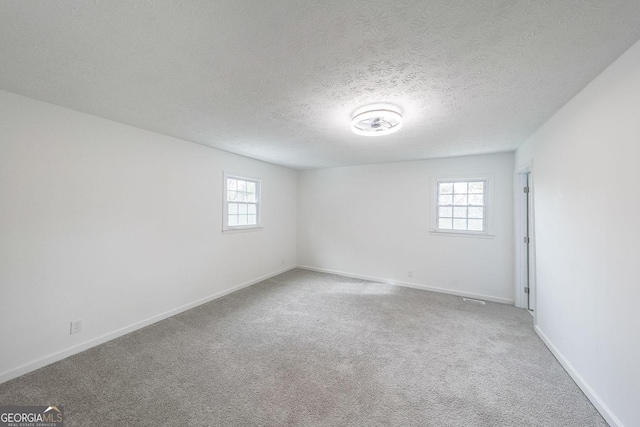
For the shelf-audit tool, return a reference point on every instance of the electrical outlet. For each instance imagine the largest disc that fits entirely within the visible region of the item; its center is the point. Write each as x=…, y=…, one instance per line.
x=410, y=273
x=76, y=326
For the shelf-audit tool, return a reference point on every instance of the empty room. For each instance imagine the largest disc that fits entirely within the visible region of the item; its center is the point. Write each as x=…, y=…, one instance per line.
x=319, y=213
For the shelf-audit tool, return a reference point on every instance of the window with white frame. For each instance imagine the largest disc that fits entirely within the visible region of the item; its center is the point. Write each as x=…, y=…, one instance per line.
x=241, y=202
x=461, y=206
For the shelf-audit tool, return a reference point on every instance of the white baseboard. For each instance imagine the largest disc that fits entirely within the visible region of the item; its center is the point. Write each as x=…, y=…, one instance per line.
x=586, y=389
x=410, y=285
x=54, y=357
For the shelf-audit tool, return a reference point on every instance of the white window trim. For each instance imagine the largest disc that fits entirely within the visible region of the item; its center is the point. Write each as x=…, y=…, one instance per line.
x=488, y=206
x=225, y=205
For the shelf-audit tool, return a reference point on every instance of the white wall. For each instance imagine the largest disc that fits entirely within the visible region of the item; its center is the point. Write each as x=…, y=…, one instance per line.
x=117, y=226
x=374, y=221
x=587, y=210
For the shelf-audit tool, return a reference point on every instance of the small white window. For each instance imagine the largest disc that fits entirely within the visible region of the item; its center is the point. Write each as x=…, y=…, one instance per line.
x=241, y=202
x=461, y=206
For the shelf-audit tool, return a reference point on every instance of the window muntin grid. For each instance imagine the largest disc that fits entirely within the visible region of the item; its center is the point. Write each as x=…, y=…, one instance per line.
x=461, y=206
x=242, y=202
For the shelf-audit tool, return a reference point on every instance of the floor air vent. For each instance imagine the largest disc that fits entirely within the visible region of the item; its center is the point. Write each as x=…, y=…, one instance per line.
x=477, y=301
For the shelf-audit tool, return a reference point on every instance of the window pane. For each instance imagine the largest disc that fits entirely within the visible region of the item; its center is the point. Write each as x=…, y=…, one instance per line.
x=476, y=199
x=476, y=187
x=445, y=212
x=460, y=188
x=445, y=200
x=242, y=202
x=459, y=199
x=476, y=213
x=460, y=212
x=445, y=223
x=459, y=224
x=461, y=206
x=475, y=224
x=446, y=188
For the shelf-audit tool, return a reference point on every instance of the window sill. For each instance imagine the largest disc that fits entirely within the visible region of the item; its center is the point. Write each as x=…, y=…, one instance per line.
x=462, y=234
x=241, y=230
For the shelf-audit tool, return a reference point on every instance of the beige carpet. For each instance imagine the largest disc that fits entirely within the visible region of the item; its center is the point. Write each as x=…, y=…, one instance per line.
x=311, y=349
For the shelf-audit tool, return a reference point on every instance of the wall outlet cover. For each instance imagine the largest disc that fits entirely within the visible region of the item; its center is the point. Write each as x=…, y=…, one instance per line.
x=76, y=326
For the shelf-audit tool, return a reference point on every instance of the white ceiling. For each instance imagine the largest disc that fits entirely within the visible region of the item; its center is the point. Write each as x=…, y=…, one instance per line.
x=279, y=80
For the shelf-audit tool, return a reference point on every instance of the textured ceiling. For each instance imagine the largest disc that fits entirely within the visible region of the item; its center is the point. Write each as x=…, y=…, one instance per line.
x=279, y=80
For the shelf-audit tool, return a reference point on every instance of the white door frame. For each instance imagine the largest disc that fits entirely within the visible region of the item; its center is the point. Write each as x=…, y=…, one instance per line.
x=520, y=224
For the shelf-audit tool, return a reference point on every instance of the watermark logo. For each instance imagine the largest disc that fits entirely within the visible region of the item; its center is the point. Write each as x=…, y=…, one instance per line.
x=31, y=416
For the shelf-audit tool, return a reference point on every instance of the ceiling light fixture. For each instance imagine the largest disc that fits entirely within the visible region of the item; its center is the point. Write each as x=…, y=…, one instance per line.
x=372, y=121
